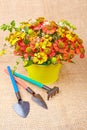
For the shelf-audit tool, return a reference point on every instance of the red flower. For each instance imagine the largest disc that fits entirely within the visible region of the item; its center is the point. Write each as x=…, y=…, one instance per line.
x=38, y=27
x=82, y=55
x=49, y=29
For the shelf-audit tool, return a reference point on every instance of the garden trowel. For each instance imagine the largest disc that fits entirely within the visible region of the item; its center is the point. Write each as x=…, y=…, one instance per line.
x=22, y=108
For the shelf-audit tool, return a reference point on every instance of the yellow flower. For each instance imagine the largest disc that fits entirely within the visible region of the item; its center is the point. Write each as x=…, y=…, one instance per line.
x=2, y=52
x=45, y=44
x=61, y=31
x=24, y=24
x=69, y=36
x=49, y=44
x=40, y=58
x=14, y=37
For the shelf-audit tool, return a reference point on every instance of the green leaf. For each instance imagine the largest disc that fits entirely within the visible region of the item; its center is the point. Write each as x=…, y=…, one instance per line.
x=10, y=28
x=3, y=27
x=26, y=41
x=14, y=69
x=12, y=23
x=30, y=62
x=17, y=29
x=17, y=62
x=73, y=62
x=26, y=29
x=66, y=23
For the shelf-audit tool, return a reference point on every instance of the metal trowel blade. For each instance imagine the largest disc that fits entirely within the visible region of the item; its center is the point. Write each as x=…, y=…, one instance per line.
x=39, y=100
x=22, y=108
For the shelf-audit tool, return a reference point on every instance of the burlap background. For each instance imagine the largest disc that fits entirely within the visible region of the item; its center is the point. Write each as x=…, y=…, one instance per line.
x=68, y=109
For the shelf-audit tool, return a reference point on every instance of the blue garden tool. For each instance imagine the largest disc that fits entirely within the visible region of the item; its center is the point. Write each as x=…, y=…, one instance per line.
x=50, y=91
x=22, y=108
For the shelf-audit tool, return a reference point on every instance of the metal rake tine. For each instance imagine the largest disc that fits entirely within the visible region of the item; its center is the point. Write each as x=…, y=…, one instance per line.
x=52, y=92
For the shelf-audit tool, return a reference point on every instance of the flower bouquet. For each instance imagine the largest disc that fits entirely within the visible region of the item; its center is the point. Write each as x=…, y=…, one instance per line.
x=42, y=42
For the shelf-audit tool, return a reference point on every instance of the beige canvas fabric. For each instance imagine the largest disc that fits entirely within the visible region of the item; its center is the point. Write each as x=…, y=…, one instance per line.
x=68, y=109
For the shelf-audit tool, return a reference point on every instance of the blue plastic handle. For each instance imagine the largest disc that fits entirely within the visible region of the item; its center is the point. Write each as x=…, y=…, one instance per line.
x=13, y=80
x=40, y=85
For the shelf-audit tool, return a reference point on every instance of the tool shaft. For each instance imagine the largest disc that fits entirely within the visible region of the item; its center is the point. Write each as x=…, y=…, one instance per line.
x=46, y=87
x=22, y=83
x=30, y=90
x=12, y=80
x=14, y=84
x=28, y=79
x=18, y=96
